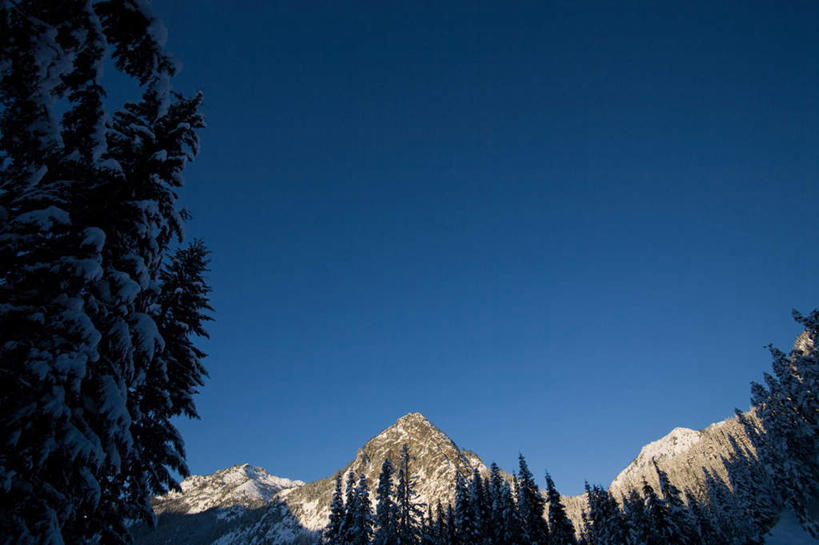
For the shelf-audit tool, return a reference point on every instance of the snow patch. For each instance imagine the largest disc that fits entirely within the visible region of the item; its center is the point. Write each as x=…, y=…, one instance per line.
x=788, y=531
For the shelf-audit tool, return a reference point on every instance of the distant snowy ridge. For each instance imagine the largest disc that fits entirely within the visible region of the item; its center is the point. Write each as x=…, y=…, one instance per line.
x=240, y=485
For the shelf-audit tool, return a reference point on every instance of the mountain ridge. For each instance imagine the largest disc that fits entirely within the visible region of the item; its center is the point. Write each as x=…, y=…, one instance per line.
x=297, y=511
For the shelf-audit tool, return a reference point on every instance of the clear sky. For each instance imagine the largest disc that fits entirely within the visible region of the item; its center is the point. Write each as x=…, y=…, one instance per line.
x=555, y=228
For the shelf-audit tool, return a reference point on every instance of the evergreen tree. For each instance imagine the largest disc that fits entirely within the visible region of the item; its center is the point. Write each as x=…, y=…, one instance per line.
x=755, y=510
x=409, y=511
x=530, y=505
x=561, y=529
x=509, y=532
x=605, y=523
x=494, y=500
x=638, y=520
x=679, y=523
x=586, y=536
x=441, y=532
x=386, y=532
x=87, y=216
x=333, y=533
x=662, y=530
x=705, y=525
x=721, y=507
x=463, y=515
x=347, y=530
x=787, y=407
x=360, y=528
x=451, y=526
x=478, y=504
x=428, y=529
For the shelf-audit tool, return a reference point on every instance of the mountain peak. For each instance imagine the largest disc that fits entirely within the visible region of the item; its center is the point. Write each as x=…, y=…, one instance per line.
x=434, y=460
x=412, y=418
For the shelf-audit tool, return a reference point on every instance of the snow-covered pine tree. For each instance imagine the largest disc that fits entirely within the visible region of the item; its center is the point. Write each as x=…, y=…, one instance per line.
x=561, y=529
x=721, y=507
x=410, y=511
x=83, y=234
x=704, y=524
x=347, y=530
x=751, y=482
x=386, y=526
x=755, y=510
x=477, y=500
x=46, y=261
x=494, y=491
x=441, y=530
x=530, y=506
x=451, y=526
x=182, y=302
x=428, y=529
x=360, y=530
x=787, y=407
x=333, y=533
x=605, y=524
x=509, y=531
x=586, y=537
x=680, y=523
x=638, y=520
x=662, y=529
x=462, y=521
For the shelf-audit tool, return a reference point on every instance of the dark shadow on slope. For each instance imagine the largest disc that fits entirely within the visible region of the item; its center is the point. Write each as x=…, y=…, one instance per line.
x=243, y=524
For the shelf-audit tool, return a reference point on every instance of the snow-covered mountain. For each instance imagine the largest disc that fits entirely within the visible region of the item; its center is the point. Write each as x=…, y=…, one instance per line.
x=237, y=486
x=246, y=505
x=436, y=459
x=215, y=508
x=683, y=454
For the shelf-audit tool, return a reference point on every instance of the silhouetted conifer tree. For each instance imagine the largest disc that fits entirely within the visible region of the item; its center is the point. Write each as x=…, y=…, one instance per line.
x=386, y=532
x=360, y=528
x=638, y=520
x=530, y=506
x=410, y=512
x=605, y=523
x=463, y=513
x=679, y=529
x=561, y=529
x=333, y=533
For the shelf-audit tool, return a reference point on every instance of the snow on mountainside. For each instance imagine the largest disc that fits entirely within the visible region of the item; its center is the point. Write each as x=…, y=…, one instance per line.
x=789, y=532
x=683, y=454
x=240, y=485
x=246, y=505
x=224, y=508
x=436, y=458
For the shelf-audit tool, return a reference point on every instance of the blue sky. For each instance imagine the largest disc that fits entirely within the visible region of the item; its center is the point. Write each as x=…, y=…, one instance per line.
x=558, y=228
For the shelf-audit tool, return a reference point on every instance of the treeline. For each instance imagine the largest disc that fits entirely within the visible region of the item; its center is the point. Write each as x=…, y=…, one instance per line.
x=496, y=510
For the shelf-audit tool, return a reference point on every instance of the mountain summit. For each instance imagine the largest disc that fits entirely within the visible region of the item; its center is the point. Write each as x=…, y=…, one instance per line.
x=435, y=460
